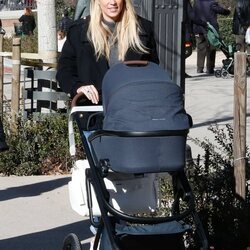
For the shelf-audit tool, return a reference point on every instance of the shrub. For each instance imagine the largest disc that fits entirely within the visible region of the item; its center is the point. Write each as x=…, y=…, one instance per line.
x=40, y=146
x=225, y=25
x=225, y=216
x=29, y=44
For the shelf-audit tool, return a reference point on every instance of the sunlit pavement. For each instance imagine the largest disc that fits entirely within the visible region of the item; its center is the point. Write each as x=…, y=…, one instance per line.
x=209, y=100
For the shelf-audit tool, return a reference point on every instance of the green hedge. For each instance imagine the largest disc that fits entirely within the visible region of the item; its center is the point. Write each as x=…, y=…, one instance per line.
x=225, y=25
x=29, y=44
x=38, y=147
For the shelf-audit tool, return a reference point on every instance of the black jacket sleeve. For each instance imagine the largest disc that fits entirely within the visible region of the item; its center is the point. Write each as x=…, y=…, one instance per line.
x=218, y=9
x=67, y=74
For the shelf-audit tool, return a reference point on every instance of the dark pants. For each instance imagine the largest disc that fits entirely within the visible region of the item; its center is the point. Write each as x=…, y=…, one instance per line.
x=205, y=50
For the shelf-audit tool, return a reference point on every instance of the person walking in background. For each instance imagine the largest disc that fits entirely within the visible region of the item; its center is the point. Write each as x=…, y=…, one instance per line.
x=3, y=144
x=206, y=10
x=28, y=22
x=190, y=20
x=241, y=21
x=82, y=9
x=65, y=22
x=61, y=38
x=2, y=31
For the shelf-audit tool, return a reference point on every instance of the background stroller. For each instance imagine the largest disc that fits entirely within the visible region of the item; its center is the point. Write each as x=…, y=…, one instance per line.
x=144, y=132
x=228, y=50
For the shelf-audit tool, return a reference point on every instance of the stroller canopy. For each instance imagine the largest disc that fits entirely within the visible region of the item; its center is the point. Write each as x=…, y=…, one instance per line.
x=142, y=98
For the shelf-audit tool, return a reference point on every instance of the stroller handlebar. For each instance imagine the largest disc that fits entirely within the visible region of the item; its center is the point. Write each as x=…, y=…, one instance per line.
x=89, y=108
x=136, y=62
x=76, y=98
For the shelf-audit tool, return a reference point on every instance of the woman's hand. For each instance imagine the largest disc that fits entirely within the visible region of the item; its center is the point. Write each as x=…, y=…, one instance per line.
x=90, y=92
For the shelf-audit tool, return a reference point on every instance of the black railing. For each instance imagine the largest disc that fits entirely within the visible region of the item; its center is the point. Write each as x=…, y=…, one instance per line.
x=17, y=4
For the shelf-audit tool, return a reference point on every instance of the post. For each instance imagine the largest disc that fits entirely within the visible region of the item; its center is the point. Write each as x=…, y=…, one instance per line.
x=1, y=76
x=47, y=37
x=15, y=93
x=240, y=107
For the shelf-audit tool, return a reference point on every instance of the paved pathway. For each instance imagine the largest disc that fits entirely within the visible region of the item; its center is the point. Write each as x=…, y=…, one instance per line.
x=209, y=100
x=35, y=214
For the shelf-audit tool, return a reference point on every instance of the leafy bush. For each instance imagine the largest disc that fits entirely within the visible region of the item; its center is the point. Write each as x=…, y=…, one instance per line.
x=38, y=147
x=225, y=216
x=61, y=5
x=225, y=25
x=29, y=44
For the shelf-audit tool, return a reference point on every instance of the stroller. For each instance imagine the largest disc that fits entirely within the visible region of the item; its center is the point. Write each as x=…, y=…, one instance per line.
x=228, y=50
x=144, y=134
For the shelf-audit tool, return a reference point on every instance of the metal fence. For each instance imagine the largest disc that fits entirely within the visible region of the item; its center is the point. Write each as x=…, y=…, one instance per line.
x=17, y=4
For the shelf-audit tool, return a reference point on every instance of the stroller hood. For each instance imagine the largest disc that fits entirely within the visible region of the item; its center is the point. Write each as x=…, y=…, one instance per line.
x=142, y=98
x=213, y=36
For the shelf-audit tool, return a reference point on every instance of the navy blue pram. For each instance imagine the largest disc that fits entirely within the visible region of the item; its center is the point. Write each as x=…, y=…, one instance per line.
x=144, y=131
x=142, y=99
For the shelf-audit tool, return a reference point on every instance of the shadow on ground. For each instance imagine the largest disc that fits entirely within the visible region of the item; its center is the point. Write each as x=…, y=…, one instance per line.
x=48, y=240
x=32, y=189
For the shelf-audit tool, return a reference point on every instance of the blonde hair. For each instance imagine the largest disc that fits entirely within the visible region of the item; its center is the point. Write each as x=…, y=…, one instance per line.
x=126, y=35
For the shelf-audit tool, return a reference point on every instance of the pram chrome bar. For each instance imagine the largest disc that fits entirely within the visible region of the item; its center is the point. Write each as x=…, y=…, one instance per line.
x=75, y=109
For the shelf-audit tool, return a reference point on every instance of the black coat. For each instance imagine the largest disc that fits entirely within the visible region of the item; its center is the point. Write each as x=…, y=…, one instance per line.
x=28, y=24
x=78, y=65
x=192, y=19
x=207, y=10
x=237, y=28
x=241, y=18
x=65, y=24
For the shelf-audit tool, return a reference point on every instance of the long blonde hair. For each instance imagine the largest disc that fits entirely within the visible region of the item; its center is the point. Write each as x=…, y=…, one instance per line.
x=126, y=35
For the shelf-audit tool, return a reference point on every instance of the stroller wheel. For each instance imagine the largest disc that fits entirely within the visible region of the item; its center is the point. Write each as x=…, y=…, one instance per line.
x=217, y=73
x=72, y=242
x=224, y=74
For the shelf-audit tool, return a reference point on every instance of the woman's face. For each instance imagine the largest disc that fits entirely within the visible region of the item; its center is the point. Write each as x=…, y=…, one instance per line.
x=111, y=9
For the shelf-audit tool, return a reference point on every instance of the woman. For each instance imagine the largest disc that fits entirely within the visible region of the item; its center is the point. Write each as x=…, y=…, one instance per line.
x=28, y=22
x=111, y=34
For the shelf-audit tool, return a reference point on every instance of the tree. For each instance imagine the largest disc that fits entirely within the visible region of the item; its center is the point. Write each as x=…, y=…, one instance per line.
x=47, y=39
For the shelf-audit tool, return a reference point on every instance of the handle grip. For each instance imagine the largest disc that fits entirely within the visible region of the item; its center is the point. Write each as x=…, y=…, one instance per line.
x=76, y=98
x=136, y=62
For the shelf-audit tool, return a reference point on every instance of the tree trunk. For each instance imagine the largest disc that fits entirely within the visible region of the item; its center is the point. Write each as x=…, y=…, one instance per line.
x=47, y=37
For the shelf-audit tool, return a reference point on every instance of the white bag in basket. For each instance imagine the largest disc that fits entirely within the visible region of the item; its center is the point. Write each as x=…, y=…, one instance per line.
x=127, y=193
x=247, y=36
x=77, y=188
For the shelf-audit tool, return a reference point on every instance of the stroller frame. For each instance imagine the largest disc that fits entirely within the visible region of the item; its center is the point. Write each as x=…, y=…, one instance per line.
x=110, y=216
x=227, y=68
